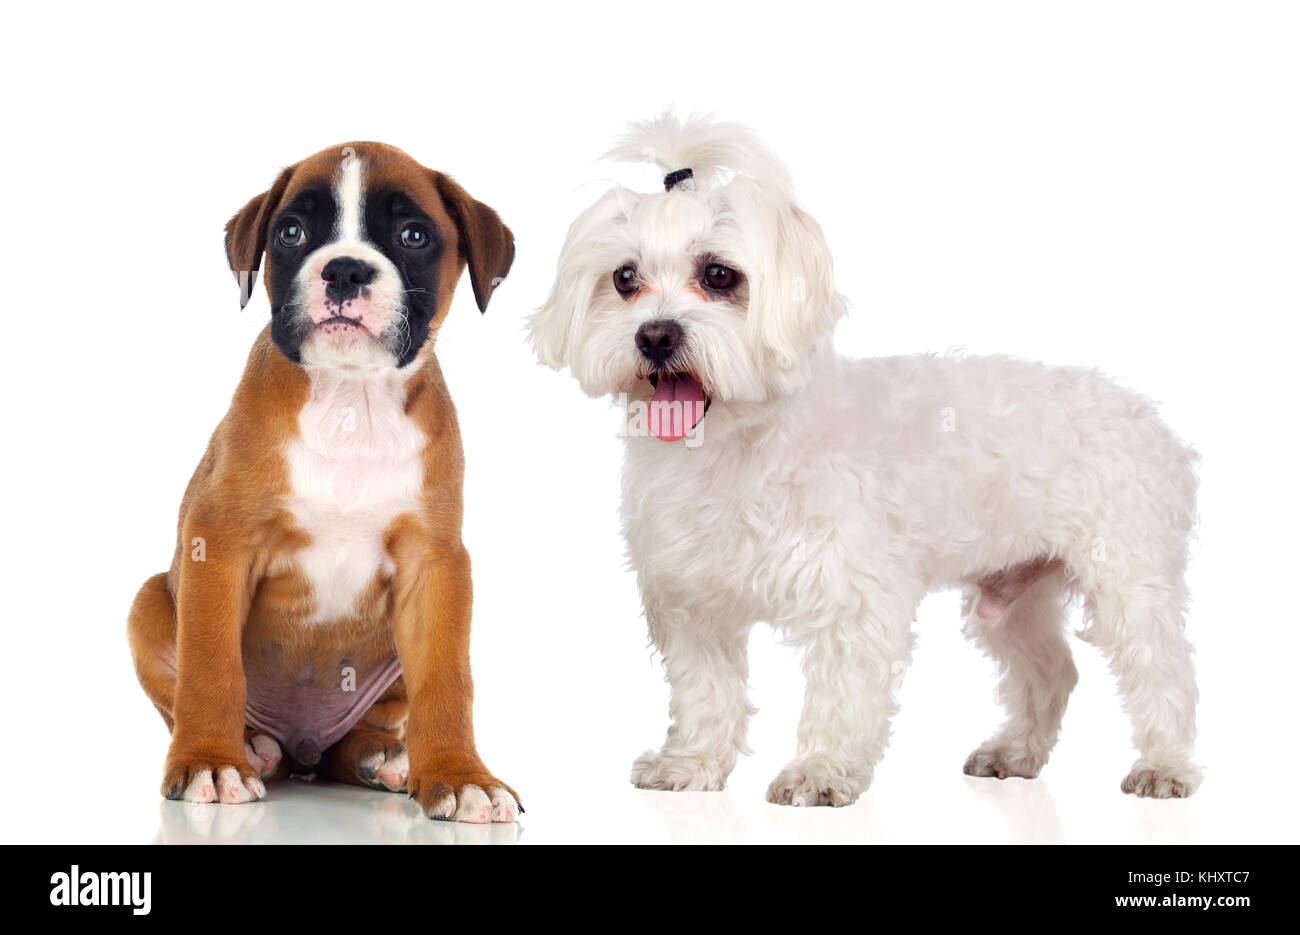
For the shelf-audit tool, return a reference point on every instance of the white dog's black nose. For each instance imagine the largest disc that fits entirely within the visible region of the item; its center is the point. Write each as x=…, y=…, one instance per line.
x=344, y=276
x=659, y=340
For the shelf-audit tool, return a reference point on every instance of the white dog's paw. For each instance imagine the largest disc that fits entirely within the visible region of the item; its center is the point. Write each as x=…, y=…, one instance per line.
x=678, y=772
x=817, y=782
x=263, y=753
x=1161, y=782
x=1002, y=762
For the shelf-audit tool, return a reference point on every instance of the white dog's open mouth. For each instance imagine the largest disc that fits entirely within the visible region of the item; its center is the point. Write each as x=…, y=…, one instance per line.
x=679, y=404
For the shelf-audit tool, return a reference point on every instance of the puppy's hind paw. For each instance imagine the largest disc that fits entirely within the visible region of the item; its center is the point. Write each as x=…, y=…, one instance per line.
x=385, y=769
x=809, y=782
x=678, y=772
x=262, y=753
x=1161, y=782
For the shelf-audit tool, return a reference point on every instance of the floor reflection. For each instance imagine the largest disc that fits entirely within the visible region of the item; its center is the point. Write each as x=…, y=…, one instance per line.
x=697, y=817
x=1164, y=821
x=716, y=818
x=320, y=813
x=1026, y=807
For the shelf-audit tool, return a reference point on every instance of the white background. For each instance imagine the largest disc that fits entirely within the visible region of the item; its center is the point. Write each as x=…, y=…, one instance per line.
x=1112, y=184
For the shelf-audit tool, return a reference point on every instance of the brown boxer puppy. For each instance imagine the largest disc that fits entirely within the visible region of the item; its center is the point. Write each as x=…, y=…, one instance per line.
x=317, y=611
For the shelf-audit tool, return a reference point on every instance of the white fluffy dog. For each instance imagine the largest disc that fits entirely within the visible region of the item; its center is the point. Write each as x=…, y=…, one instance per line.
x=827, y=496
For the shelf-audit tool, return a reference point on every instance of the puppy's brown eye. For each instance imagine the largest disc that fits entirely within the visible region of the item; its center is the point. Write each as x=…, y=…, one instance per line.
x=719, y=277
x=414, y=237
x=625, y=280
x=292, y=234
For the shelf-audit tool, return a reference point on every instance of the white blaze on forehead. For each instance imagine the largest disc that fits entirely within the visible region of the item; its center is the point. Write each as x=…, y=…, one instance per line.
x=349, y=195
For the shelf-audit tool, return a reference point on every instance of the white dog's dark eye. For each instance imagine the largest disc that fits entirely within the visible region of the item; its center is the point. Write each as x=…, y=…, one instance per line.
x=415, y=237
x=719, y=277
x=625, y=280
x=292, y=234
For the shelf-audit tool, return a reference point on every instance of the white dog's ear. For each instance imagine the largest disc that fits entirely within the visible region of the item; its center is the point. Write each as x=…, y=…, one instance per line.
x=550, y=326
x=793, y=302
x=585, y=262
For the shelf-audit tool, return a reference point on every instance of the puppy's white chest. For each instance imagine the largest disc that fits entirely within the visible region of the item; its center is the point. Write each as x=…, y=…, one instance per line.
x=355, y=466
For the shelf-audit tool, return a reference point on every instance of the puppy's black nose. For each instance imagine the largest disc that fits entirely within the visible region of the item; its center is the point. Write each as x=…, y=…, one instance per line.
x=344, y=277
x=659, y=340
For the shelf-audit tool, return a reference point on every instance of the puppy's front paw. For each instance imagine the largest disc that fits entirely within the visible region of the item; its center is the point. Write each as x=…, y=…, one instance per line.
x=817, y=782
x=228, y=780
x=1002, y=762
x=1161, y=782
x=678, y=772
x=474, y=798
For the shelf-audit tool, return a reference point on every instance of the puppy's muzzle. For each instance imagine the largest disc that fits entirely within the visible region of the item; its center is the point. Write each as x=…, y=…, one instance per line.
x=345, y=276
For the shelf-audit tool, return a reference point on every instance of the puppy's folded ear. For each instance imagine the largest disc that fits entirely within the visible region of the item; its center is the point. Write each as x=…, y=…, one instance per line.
x=246, y=235
x=486, y=244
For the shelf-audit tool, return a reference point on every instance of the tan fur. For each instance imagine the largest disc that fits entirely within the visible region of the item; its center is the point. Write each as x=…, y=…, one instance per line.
x=201, y=629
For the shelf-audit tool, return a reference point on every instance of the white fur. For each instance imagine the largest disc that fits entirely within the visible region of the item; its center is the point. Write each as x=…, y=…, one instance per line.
x=350, y=197
x=473, y=805
x=228, y=788
x=714, y=151
x=263, y=753
x=830, y=495
x=201, y=788
x=355, y=466
x=389, y=773
x=392, y=773
x=231, y=789
x=381, y=335
x=504, y=807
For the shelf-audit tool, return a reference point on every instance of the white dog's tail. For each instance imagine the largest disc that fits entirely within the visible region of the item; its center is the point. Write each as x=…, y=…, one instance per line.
x=700, y=152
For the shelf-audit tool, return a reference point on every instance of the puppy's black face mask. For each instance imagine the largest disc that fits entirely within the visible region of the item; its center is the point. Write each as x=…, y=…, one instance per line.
x=389, y=224
x=312, y=210
x=413, y=244
x=364, y=247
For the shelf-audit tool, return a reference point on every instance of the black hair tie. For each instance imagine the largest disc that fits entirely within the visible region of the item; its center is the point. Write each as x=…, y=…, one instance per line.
x=673, y=179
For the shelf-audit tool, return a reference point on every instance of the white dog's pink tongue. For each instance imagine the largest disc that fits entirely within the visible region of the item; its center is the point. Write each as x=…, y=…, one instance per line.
x=677, y=407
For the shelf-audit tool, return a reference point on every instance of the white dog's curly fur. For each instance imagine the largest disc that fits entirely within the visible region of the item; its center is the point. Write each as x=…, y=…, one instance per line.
x=827, y=496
